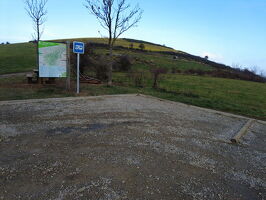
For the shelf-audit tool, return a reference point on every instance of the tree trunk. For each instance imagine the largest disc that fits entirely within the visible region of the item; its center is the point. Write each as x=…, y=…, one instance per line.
x=37, y=55
x=37, y=50
x=110, y=66
x=155, y=85
x=38, y=30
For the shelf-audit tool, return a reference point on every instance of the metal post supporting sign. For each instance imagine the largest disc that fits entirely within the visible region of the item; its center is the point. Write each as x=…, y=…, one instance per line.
x=78, y=48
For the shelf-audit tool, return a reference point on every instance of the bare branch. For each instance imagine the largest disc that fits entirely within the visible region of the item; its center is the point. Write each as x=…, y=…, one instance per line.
x=116, y=17
x=37, y=12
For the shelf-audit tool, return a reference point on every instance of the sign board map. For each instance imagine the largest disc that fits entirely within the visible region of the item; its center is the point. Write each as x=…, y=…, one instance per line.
x=52, y=60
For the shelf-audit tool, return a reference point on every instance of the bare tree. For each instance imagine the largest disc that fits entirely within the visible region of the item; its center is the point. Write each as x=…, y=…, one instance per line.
x=116, y=17
x=37, y=12
x=237, y=66
x=262, y=73
x=254, y=69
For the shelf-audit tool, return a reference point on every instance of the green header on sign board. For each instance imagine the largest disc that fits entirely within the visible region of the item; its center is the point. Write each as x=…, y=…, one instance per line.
x=47, y=44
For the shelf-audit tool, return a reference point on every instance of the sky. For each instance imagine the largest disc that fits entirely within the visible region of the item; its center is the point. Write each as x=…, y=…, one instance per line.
x=232, y=32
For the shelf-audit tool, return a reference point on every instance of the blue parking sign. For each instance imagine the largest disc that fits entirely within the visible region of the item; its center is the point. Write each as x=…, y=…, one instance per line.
x=78, y=47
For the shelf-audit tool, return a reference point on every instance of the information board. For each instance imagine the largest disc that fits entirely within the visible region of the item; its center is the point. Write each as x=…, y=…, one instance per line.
x=52, y=60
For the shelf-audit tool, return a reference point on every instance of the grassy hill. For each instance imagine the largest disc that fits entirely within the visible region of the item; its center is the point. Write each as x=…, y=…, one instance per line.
x=17, y=57
x=123, y=42
x=21, y=57
x=235, y=96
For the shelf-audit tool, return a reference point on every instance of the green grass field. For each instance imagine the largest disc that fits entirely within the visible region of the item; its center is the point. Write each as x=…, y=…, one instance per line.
x=17, y=58
x=235, y=96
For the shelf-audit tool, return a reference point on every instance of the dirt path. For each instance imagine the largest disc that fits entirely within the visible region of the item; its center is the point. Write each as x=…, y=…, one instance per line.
x=127, y=147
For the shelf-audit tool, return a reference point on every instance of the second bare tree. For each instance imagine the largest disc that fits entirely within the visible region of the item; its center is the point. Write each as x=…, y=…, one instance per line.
x=116, y=17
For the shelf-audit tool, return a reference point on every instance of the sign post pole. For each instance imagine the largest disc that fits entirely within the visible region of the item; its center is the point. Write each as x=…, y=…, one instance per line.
x=78, y=48
x=78, y=74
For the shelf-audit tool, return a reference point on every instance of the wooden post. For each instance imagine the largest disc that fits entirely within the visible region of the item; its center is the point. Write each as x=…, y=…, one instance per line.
x=37, y=61
x=242, y=132
x=68, y=80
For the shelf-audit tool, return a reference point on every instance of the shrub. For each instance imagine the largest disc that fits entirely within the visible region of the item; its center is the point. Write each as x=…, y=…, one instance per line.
x=142, y=46
x=101, y=68
x=123, y=63
x=229, y=73
x=126, y=62
x=138, y=78
x=156, y=73
x=174, y=70
x=87, y=60
x=89, y=49
x=196, y=72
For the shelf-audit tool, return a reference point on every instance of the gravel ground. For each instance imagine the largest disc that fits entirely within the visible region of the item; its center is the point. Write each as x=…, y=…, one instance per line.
x=127, y=147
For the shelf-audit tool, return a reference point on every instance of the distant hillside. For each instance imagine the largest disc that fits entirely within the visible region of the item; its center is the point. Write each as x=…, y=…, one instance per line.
x=144, y=42
x=125, y=42
x=21, y=57
x=219, y=70
x=149, y=46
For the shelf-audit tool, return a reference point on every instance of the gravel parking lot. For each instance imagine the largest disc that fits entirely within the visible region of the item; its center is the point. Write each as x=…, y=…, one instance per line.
x=127, y=147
